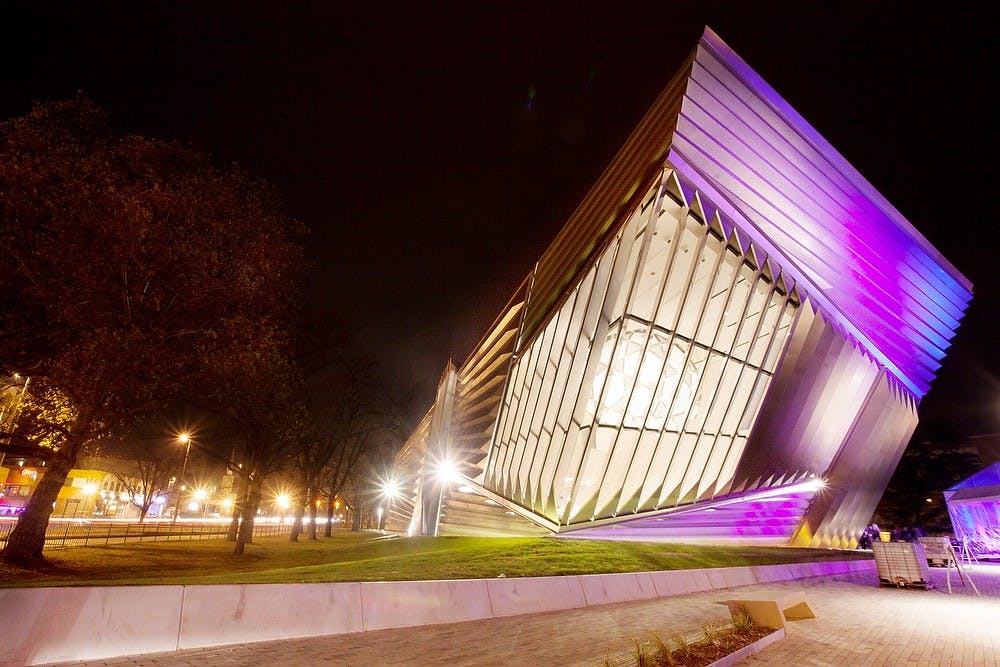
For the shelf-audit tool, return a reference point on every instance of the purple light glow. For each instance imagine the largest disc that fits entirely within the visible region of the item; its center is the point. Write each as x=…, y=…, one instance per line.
x=768, y=516
x=800, y=201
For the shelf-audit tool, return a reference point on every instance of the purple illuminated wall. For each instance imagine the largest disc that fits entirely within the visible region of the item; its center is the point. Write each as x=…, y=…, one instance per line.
x=799, y=199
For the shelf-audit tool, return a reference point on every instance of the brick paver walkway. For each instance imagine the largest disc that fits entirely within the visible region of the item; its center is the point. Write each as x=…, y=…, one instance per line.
x=857, y=623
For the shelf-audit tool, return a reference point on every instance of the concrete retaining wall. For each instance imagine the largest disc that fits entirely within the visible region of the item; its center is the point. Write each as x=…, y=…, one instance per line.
x=43, y=625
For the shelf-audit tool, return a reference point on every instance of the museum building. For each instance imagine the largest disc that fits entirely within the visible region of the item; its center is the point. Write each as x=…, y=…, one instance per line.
x=726, y=342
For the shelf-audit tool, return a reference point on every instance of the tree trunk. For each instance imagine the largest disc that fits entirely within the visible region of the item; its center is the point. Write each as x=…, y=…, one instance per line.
x=26, y=541
x=328, y=530
x=300, y=511
x=240, y=500
x=142, y=513
x=356, y=517
x=245, y=534
x=312, y=515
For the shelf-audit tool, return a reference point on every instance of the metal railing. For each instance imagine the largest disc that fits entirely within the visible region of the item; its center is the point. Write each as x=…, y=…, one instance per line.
x=100, y=533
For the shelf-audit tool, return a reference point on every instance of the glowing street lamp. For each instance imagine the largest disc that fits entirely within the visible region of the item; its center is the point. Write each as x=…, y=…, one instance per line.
x=89, y=490
x=283, y=501
x=390, y=489
x=184, y=439
x=447, y=472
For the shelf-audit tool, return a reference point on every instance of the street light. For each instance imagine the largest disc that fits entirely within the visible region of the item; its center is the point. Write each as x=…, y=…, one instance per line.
x=184, y=439
x=390, y=490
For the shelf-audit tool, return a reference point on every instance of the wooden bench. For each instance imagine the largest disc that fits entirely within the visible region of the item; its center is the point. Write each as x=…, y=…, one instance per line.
x=773, y=611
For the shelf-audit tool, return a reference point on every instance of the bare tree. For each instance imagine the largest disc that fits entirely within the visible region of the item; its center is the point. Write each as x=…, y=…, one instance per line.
x=144, y=467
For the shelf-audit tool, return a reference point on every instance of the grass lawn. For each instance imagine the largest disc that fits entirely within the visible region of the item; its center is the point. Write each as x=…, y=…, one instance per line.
x=368, y=557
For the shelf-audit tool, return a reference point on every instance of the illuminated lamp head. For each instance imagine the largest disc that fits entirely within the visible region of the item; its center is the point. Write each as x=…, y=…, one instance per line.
x=447, y=472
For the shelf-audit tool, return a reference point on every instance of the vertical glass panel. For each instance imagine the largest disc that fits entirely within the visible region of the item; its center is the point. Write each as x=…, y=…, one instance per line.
x=517, y=455
x=706, y=389
x=733, y=457
x=620, y=353
x=650, y=398
x=727, y=385
x=523, y=415
x=647, y=288
x=566, y=471
x=614, y=476
x=733, y=314
x=696, y=467
x=592, y=472
x=734, y=412
x=780, y=337
x=664, y=453
x=639, y=468
x=520, y=391
x=753, y=407
x=676, y=391
x=713, y=466
x=701, y=286
x=759, y=346
x=655, y=265
x=677, y=280
x=553, y=455
x=675, y=474
x=563, y=396
x=751, y=318
x=535, y=473
x=595, y=305
x=575, y=354
x=541, y=382
x=718, y=300
x=634, y=246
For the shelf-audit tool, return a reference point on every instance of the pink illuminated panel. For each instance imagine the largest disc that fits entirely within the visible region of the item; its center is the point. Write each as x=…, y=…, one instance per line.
x=772, y=173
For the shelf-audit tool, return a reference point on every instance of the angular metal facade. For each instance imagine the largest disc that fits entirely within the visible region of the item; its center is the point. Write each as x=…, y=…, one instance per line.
x=727, y=341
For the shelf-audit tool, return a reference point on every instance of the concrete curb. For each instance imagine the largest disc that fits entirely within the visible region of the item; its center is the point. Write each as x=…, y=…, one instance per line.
x=43, y=625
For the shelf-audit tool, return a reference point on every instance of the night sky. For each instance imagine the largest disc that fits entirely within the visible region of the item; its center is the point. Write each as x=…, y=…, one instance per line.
x=435, y=149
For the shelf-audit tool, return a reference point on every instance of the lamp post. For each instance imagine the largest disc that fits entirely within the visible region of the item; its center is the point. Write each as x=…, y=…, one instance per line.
x=184, y=439
x=389, y=492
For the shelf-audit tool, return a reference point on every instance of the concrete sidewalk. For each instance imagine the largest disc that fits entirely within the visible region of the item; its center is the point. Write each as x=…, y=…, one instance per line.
x=857, y=623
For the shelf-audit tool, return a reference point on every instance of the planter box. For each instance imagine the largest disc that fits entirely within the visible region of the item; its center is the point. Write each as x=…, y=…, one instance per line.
x=749, y=650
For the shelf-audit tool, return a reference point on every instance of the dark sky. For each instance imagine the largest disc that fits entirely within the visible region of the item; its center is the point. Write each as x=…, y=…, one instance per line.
x=435, y=149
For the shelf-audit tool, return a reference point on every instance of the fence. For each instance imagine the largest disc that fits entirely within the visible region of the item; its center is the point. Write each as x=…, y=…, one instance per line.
x=82, y=534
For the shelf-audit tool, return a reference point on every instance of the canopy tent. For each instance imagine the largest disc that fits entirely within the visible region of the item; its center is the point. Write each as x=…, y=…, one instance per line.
x=974, y=508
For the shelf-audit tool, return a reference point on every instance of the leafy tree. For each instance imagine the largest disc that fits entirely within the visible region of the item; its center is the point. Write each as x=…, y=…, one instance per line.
x=125, y=259
x=258, y=386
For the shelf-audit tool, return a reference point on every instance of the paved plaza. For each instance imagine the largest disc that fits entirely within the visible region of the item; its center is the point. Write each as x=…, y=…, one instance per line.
x=857, y=623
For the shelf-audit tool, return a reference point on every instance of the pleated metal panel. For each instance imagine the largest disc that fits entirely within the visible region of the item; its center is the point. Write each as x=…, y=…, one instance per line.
x=480, y=386
x=859, y=474
x=795, y=195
